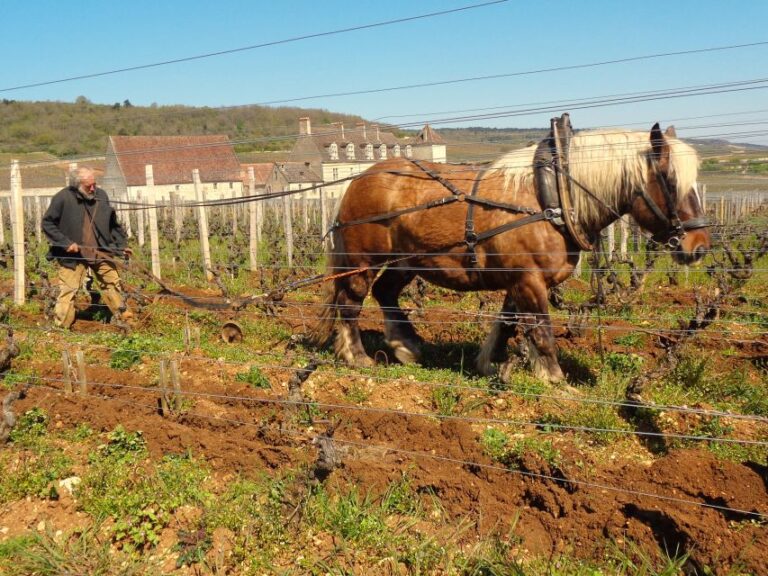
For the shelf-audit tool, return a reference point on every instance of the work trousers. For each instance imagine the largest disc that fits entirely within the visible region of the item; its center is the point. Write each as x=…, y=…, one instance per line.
x=70, y=280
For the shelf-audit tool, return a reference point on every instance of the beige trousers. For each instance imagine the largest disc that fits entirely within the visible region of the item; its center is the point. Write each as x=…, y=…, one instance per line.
x=70, y=281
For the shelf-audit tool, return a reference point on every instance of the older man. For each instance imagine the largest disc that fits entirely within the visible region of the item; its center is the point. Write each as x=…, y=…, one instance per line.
x=83, y=233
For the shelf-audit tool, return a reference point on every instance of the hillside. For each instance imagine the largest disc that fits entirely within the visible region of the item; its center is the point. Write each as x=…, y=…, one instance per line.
x=81, y=128
x=260, y=133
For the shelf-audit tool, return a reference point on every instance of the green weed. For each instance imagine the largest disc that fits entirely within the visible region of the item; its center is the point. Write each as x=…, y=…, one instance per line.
x=254, y=377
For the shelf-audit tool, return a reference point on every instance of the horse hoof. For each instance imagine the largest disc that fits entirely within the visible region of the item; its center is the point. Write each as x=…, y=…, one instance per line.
x=404, y=354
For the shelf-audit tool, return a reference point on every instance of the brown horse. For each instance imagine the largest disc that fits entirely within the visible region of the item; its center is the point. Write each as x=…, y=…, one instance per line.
x=401, y=219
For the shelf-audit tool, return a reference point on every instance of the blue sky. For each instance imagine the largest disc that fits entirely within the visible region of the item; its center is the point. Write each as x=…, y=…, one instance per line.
x=50, y=40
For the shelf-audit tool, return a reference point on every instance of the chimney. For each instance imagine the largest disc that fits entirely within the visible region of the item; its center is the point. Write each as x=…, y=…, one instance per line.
x=305, y=127
x=340, y=128
x=361, y=125
x=376, y=126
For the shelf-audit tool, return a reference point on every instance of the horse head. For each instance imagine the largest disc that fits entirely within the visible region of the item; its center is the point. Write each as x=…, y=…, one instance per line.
x=668, y=205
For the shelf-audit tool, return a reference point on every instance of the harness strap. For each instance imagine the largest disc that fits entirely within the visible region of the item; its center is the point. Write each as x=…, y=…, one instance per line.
x=470, y=236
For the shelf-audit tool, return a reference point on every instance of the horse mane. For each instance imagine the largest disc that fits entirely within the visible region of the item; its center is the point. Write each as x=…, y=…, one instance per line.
x=611, y=164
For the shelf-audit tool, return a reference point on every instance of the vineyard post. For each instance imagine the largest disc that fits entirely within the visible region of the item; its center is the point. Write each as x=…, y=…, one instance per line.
x=83, y=382
x=140, y=219
x=17, y=223
x=2, y=225
x=611, y=248
x=163, y=385
x=304, y=212
x=154, y=240
x=126, y=221
x=176, y=214
x=66, y=364
x=234, y=216
x=287, y=202
x=624, y=227
x=202, y=224
x=253, y=244
x=323, y=212
x=38, y=219
x=703, y=194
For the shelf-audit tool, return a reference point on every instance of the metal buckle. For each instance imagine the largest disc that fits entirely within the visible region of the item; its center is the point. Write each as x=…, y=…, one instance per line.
x=554, y=215
x=674, y=242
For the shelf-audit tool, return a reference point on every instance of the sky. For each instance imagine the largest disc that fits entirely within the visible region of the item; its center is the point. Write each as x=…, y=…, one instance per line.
x=44, y=41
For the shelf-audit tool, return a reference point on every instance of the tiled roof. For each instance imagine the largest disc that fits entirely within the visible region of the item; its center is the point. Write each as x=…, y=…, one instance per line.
x=297, y=172
x=360, y=136
x=428, y=135
x=261, y=172
x=174, y=157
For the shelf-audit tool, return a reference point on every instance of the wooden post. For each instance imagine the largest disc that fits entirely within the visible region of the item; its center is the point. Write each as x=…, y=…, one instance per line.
x=722, y=209
x=83, y=383
x=140, y=219
x=624, y=228
x=253, y=242
x=233, y=213
x=323, y=212
x=288, y=228
x=304, y=212
x=577, y=269
x=611, y=247
x=202, y=223
x=174, y=200
x=154, y=240
x=38, y=219
x=2, y=226
x=17, y=222
x=703, y=194
x=66, y=363
x=162, y=384
x=176, y=383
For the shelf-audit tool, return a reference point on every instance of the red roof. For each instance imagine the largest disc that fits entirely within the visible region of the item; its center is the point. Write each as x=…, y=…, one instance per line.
x=174, y=157
x=261, y=172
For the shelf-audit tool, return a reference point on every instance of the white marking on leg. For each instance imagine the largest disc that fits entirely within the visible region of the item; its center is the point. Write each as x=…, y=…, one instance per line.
x=484, y=364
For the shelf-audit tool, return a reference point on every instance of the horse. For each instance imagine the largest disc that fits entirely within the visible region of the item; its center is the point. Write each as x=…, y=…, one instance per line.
x=396, y=222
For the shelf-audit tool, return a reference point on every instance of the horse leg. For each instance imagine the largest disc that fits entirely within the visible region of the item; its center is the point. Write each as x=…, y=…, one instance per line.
x=351, y=292
x=533, y=316
x=495, y=346
x=398, y=330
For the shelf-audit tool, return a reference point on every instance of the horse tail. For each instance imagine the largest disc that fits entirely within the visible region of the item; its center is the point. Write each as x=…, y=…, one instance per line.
x=321, y=332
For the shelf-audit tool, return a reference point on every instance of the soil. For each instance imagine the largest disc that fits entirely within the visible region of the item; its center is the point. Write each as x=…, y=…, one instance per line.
x=684, y=500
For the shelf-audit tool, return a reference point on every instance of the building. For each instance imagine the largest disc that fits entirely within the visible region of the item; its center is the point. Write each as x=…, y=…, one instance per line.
x=337, y=153
x=173, y=158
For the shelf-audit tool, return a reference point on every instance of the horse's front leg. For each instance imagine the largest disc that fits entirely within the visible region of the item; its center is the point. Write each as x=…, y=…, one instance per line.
x=532, y=303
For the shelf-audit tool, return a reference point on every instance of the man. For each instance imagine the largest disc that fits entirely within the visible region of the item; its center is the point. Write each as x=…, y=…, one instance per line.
x=84, y=233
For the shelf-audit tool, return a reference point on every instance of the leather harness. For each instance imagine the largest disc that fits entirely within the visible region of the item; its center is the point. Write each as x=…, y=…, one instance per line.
x=554, y=192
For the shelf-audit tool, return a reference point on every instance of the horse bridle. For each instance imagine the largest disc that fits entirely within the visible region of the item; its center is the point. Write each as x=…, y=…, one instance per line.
x=676, y=229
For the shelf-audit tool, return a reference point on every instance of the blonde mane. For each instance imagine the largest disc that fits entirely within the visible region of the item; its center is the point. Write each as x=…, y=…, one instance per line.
x=611, y=164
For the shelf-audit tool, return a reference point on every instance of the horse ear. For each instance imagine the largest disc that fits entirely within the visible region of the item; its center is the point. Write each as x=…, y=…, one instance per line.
x=670, y=132
x=657, y=141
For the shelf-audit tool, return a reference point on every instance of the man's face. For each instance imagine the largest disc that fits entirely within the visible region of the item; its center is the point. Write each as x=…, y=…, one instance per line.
x=88, y=184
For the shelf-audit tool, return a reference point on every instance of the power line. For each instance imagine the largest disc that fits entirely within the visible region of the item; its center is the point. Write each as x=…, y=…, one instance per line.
x=255, y=46
x=514, y=74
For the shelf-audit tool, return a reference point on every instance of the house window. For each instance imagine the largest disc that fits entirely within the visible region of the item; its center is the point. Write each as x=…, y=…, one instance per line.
x=369, y=151
x=408, y=151
x=350, y=151
x=383, y=151
x=215, y=185
x=231, y=185
x=333, y=151
x=335, y=173
x=396, y=151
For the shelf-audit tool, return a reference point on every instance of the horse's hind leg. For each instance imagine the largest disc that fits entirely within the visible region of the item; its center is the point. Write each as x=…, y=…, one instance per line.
x=533, y=317
x=351, y=291
x=398, y=330
x=495, y=346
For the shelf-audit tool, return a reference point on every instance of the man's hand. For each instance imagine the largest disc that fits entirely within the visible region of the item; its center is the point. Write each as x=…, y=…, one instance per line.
x=73, y=247
x=127, y=252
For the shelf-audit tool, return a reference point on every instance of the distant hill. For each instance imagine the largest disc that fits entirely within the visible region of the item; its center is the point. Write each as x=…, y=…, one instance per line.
x=67, y=129
x=259, y=133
